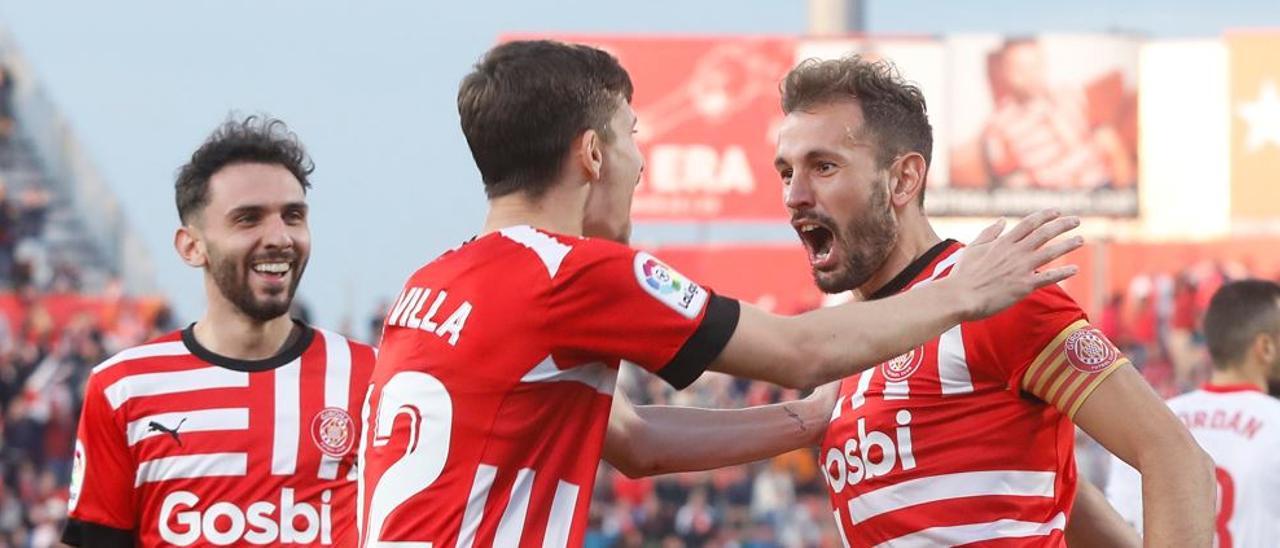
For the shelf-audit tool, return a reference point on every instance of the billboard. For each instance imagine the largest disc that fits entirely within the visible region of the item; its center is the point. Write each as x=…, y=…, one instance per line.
x=1254, y=91
x=1038, y=122
x=1019, y=124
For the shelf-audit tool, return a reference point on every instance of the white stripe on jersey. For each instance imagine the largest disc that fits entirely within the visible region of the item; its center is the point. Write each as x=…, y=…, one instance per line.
x=173, y=382
x=953, y=368
x=941, y=267
x=202, y=420
x=550, y=250
x=284, y=439
x=337, y=388
x=844, y=539
x=894, y=497
x=475, y=505
x=596, y=375
x=511, y=527
x=859, y=394
x=897, y=390
x=976, y=532
x=191, y=466
x=156, y=350
x=364, y=451
x=561, y=522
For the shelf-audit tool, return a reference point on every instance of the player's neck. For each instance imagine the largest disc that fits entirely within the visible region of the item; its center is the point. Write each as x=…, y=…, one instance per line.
x=228, y=332
x=1239, y=375
x=915, y=237
x=560, y=210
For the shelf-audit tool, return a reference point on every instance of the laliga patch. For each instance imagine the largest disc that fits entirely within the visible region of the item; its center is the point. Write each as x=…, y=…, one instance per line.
x=1089, y=351
x=901, y=367
x=77, y=476
x=669, y=286
x=333, y=431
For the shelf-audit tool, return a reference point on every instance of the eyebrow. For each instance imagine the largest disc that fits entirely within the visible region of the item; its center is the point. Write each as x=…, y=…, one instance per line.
x=255, y=208
x=779, y=162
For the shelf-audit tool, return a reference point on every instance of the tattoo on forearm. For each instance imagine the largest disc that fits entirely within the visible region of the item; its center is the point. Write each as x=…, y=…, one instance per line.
x=795, y=417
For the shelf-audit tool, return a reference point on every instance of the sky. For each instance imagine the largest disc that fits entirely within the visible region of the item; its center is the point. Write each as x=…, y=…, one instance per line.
x=370, y=86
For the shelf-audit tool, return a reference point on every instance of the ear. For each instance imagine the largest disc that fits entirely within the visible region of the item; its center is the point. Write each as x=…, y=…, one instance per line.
x=907, y=179
x=1264, y=347
x=189, y=247
x=590, y=154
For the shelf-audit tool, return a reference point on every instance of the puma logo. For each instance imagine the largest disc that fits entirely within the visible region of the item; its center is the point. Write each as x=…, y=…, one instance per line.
x=154, y=426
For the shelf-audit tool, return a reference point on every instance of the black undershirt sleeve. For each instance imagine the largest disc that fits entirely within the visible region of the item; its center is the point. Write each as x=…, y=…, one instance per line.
x=706, y=343
x=92, y=535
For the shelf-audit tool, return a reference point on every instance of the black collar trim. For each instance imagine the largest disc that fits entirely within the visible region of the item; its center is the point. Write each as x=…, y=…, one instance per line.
x=909, y=274
x=292, y=351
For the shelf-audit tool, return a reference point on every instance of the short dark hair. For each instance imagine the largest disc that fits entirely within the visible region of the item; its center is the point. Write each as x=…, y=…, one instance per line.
x=524, y=104
x=255, y=139
x=894, y=111
x=1238, y=313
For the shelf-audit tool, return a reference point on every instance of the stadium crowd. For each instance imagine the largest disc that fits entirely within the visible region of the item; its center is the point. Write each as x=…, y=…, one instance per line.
x=51, y=335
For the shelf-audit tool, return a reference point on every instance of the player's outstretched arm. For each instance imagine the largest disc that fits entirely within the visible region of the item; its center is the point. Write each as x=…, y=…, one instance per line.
x=657, y=439
x=1131, y=421
x=1095, y=524
x=824, y=345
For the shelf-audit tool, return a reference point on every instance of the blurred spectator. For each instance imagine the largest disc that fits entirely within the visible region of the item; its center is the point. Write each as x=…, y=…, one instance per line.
x=43, y=367
x=8, y=234
x=6, y=116
x=696, y=522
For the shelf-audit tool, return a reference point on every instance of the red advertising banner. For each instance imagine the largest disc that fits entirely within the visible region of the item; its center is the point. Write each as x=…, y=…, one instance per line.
x=707, y=109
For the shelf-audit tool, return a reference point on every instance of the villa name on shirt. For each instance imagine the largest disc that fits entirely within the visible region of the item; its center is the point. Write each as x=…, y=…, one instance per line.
x=442, y=316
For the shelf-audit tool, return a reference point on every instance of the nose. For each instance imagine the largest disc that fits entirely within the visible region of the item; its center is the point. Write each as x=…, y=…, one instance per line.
x=799, y=194
x=276, y=234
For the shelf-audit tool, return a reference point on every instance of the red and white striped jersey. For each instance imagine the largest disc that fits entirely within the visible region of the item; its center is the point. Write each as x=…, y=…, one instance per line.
x=488, y=406
x=180, y=446
x=966, y=438
x=1239, y=427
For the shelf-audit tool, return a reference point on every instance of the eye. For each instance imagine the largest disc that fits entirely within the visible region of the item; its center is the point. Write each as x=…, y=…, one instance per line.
x=786, y=176
x=295, y=216
x=825, y=168
x=246, y=218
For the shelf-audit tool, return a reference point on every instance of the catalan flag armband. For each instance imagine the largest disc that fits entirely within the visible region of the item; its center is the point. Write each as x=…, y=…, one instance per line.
x=1072, y=366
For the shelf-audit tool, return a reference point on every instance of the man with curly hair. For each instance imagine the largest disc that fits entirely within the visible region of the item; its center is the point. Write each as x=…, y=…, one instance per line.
x=238, y=429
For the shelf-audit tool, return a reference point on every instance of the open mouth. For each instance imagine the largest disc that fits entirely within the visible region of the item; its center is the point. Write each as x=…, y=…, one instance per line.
x=818, y=241
x=274, y=270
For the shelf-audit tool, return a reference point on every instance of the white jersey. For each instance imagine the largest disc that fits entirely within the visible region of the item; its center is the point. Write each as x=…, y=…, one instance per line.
x=1239, y=426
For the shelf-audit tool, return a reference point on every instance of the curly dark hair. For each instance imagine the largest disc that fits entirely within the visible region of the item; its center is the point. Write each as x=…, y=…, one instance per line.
x=893, y=110
x=255, y=139
x=526, y=101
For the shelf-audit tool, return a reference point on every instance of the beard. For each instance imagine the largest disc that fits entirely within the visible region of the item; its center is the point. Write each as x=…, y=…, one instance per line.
x=232, y=279
x=865, y=241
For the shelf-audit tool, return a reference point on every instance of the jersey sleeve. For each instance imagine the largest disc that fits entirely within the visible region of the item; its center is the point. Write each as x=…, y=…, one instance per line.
x=103, y=472
x=610, y=301
x=1044, y=346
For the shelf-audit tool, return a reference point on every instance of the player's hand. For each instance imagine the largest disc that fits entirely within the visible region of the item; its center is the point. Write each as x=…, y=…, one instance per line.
x=997, y=270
